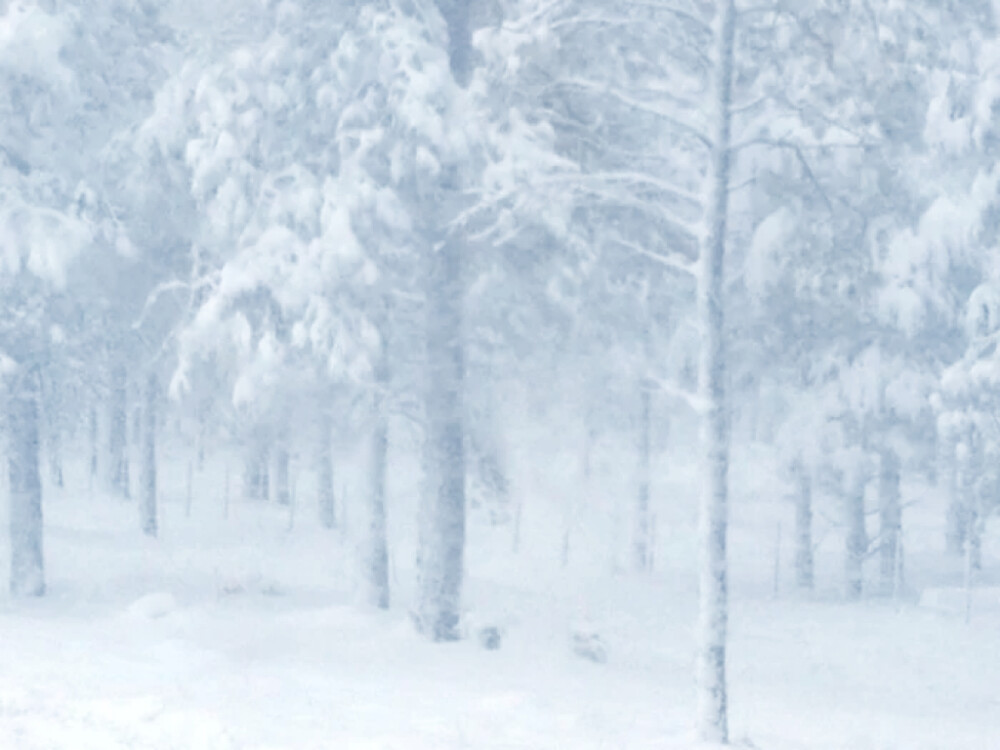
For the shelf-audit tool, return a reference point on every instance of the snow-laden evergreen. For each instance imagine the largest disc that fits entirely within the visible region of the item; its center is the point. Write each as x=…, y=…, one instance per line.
x=646, y=352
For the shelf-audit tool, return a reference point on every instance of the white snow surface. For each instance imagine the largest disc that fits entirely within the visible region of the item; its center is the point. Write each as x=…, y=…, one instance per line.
x=245, y=632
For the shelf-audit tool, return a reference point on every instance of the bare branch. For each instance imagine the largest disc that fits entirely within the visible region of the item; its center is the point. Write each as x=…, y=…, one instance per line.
x=693, y=400
x=638, y=178
x=649, y=108
x=673, y=10
x=529, y=21
x=154, y=296
x=653, y=207
x=673, y=262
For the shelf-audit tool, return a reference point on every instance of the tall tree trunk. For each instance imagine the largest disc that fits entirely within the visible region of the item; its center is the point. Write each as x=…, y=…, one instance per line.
x=442, y=557
x=202, y=433
x=969, y=459
x=857, y=535
x=92, y=436
x=377, y=542
x=975, y=540
x=803, y=526
x=956, y=525
x=890, y=520
x=712, y=711
x=256, y=479
x=264, y=486
x=135, y=434
x=118, y=466
x=55, y=455
x=52, y=411
x=324, y=459
x=643, y=525
x=282, y=488
x=147, y=499
x=251, y=474
x=27, y=569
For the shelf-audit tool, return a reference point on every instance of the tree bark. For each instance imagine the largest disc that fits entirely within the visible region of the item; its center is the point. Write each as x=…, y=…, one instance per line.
x=282, y=489
x=643, y=526
x=324, y=459
x=377, y=543
x=803, y=527
x=890, y=521
x=857, y=534
x=256, y=480
x=712, y=711
x=969, y=460
x=975, y=540
x=92, y=435
x=442, y=554
x=27, y=568
x=442, y=559
x=957, y=525
x=147, y=500
x=53, y=433
x=118, y=465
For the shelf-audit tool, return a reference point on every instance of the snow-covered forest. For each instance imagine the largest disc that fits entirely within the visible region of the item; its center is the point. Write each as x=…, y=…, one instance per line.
x=500, y=374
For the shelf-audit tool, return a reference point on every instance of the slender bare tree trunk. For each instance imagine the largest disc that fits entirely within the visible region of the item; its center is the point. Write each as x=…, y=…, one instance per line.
x=264, y=481
x=712, y=691
x=118, y=464
x=27, y=568
x=255, y=469
x=202, y=434
x=890, y=520
x=377, y=542
x=147, y=499
x=803, y=526
x=643, y=523
x=857, y=534
x=956, y=526
x=52, y=407
x=92, y=435
x=282, y=488
x=970, y=467
x=324, y=459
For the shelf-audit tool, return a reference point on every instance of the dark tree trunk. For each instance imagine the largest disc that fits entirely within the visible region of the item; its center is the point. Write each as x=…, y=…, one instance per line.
x=803, y=527
x=324, y=459
x=27, y=568
x=118, y=465
x=147, y=500
x=442, y=554
x=442, y=560
x=857, y=534
x=282, y=489
x=890, y=521
x=92, y=434
x=256, y=478
x=378, y=547
x=643, y=524
x=712, y=717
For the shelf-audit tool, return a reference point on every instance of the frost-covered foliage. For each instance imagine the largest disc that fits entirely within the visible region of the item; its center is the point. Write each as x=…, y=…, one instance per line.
x=487, y=260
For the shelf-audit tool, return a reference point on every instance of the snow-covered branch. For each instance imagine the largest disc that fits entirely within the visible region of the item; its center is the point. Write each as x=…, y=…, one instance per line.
x=663, y=113
x=674, y=262
x=693, y=400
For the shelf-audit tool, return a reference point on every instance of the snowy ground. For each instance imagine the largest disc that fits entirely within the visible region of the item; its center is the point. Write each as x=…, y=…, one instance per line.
x=241, y=632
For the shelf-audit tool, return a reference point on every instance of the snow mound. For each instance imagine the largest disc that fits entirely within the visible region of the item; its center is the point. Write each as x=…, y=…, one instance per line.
x=153, y=606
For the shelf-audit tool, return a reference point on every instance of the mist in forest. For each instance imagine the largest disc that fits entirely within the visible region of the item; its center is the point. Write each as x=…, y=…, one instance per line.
x=499, y=374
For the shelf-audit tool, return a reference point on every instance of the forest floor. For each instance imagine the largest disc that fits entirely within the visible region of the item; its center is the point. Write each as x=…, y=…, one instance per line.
x=243, y=630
